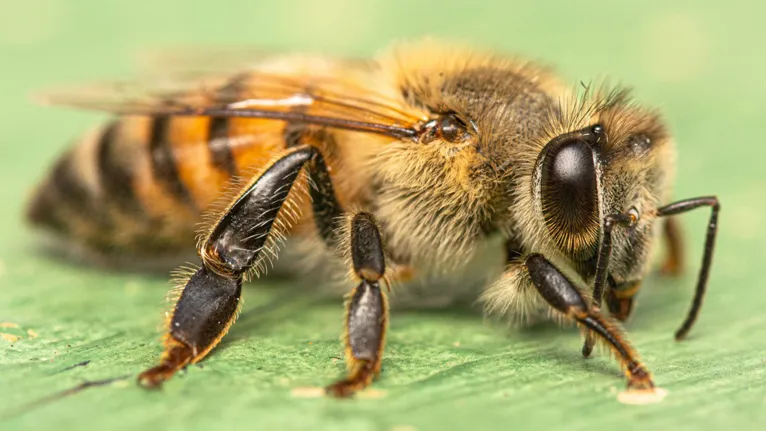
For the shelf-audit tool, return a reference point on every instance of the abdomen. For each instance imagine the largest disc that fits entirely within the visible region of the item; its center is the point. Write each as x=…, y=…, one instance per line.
x=139, y=185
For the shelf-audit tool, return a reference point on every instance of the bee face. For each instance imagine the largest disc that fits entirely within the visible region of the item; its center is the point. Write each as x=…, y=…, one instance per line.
x=620, y=162
x=637, y=167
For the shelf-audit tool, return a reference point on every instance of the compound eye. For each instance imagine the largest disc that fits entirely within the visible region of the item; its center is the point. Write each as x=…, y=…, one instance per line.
x=569, y=195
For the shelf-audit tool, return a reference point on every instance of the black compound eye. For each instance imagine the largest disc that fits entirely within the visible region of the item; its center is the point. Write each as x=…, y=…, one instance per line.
x=569, y=194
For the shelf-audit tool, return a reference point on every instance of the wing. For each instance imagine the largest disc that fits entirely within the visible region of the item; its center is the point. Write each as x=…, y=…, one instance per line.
x=200, y=60
x=223, y=59
x=294, y=89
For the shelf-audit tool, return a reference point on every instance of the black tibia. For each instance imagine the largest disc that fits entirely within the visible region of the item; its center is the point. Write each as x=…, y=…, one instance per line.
x=209, y=300
x=240, y=235
x=327, y=210
x=707, y=257
x=562, y=295
x=207, y=304
x=602, y=266
x=367, y=314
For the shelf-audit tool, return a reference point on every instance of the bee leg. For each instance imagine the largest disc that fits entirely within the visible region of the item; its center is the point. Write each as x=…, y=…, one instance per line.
x=602, y=267
x=673, y=265
x=707, y=257
x=209, y=301
x=562, y=295
x=366, y=309
x=202, y=316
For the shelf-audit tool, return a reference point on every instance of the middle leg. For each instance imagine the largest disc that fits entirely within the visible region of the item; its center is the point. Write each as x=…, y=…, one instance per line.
x=366, y=308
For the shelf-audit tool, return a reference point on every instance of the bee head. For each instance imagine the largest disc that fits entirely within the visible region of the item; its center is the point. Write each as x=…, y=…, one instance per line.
x=615, y=160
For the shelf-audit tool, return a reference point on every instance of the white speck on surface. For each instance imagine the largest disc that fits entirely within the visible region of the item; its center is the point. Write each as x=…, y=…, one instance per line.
x=371, y=394
x=307, y=392
x=121, y=384
x=642, y=397
x=9, y=337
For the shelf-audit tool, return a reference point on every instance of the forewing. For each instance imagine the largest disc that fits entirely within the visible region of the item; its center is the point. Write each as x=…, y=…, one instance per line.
x=308, y=90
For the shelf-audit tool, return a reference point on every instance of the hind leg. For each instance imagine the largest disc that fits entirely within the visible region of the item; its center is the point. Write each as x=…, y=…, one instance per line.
x=209, y=301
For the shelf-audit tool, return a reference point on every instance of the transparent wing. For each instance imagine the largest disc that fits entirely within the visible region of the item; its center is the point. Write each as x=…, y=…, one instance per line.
x=307, y=90
x=200, y=60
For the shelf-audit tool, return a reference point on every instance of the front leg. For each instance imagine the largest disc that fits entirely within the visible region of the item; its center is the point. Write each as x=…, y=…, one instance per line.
x=366, y=309
x=563, y=296
x=209, y=301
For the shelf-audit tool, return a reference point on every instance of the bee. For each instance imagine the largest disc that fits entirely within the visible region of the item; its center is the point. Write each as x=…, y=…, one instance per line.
x=396, y=169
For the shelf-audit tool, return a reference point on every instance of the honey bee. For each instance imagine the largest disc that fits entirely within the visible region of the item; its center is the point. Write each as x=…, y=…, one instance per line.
x=395, y=169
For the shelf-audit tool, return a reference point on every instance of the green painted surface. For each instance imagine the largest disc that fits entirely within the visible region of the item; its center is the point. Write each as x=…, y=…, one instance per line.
x=702, y=64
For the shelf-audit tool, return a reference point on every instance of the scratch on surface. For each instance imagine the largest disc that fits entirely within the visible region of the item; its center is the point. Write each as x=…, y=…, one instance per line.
x=453, y=368
x=63, y=394
x=8, y=325
x=81, y=364
x=32, y=333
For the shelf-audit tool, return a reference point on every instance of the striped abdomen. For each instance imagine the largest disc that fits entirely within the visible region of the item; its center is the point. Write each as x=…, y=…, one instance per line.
x=139, y=184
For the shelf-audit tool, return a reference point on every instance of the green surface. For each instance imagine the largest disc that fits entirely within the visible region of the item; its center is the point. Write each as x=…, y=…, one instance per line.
x=703, y=65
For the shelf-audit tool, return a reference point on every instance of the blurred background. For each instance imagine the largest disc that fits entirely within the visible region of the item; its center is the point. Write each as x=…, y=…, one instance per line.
x=701, y=63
